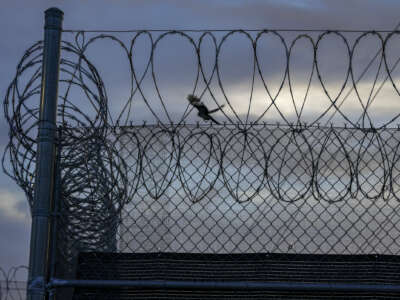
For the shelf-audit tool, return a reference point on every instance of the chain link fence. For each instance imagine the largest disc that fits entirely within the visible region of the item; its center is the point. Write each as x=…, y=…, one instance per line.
x=304, y=198
x=220, y=189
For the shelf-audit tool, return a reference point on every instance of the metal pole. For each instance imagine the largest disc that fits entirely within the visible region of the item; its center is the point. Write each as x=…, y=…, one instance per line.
x=45, y=160
x=230, y=285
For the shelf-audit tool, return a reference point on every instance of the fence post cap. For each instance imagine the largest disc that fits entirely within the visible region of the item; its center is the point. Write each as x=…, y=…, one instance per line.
x=54, y=11
x=53, y=18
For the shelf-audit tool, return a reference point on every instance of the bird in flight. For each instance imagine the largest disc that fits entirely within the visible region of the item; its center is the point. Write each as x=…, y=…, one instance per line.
x=202, y=110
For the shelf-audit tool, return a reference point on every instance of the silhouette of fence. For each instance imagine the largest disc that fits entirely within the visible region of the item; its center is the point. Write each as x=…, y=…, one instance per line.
x=11, y=285
x=146, y=175
x=219, y=189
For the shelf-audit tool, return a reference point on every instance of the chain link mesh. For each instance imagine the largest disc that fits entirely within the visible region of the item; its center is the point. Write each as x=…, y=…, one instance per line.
x=219, y=189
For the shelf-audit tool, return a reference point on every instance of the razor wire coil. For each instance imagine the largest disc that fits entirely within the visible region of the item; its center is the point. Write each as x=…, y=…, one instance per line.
x=107, y=162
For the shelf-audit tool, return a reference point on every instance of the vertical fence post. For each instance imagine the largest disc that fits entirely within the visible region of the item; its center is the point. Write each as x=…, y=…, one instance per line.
x=46, y=154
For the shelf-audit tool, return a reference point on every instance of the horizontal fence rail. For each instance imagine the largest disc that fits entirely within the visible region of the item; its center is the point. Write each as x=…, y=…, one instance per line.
x=229, y=286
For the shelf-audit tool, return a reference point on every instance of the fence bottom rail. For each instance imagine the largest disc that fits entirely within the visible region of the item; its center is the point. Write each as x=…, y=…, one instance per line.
x=226, y=285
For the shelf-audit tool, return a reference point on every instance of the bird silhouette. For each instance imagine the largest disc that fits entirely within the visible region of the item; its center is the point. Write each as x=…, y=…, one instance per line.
x=202, y=110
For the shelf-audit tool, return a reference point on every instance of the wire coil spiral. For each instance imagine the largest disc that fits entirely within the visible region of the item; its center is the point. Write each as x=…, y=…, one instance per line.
x=106, y=157
x=11, y=286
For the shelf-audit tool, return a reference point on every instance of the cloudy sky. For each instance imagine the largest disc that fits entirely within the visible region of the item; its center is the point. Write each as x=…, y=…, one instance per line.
x=21, y=24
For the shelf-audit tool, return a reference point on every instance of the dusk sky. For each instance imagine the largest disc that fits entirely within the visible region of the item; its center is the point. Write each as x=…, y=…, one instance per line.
x=21, y=24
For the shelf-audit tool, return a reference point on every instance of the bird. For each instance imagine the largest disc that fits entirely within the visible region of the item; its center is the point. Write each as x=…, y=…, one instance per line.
x=203, y=111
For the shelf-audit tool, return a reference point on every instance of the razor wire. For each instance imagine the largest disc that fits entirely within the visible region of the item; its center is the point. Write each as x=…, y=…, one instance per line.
x=106, y=159
x=77, y=71
x=11, y=285
x=217, y=182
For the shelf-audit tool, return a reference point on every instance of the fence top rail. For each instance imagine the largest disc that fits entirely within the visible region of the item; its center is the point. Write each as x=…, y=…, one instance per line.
x=229, y=30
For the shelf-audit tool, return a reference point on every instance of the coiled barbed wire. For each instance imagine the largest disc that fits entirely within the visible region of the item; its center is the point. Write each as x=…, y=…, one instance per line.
x=104, y=158
x=77, y=71
x=355, y=163
x=12, y=286
x=22, y=112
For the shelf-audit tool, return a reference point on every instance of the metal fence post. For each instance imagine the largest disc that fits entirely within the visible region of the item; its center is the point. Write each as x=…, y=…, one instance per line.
x=46, y=154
